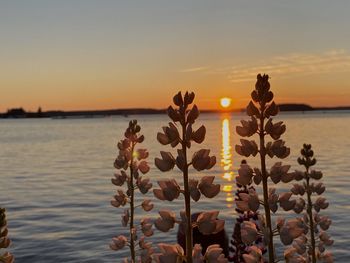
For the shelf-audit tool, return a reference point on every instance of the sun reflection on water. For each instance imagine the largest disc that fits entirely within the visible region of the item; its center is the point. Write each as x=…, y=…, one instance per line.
x=226, y=161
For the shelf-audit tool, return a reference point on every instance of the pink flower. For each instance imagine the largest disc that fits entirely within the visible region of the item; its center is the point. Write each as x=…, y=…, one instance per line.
x=320, y=203
x=277, y=149
x=143, y=167
x=193, y=188
x=249, y=232
x=285, y=203
x=166, y=163
x=245, y=174
x=125, y=217
x=120, y=199
x=201, y=160
x=141, y=154
x=118, y=242
x=144, y=185
x=170, y=253
x=208, y=223
x=324, y=237
x=193, y=114
x=247, y=148
x=199, y=135
x=147, y=205
x=291, y=230
x=327, y=257
x=251, y=199
x=324, y=222
x=170, y=190
x=248, y=128
x=119, y=179
x=275, y=130
x=166, y=221
x=298, y=189
x=214, y=254
x=146, y=227
x=197, y=254
x=317, y=175
x=278, y=171
x=207, y=188
x=254, y=255
x=170, y=136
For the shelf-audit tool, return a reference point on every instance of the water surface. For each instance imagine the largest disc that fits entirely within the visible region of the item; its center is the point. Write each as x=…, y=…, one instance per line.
x=55, y=179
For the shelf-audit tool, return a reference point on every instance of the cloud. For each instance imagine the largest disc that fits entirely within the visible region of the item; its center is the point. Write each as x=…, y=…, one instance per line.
x=291, y=65
x=194, y=69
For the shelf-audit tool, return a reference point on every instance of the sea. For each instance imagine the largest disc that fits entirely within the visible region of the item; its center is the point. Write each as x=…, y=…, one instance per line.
x=55, y=179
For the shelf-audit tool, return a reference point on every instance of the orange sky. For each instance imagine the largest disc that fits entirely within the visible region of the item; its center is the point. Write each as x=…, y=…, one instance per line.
x=102, y=55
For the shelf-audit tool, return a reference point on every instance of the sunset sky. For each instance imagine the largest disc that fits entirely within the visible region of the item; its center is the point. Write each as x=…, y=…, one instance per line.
x=106, y=54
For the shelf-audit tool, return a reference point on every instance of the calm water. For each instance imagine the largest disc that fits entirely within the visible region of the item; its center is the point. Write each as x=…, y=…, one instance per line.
x=55, y=179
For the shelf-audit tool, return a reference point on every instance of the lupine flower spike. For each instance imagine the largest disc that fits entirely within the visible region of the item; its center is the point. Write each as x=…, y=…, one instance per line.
x=181, y=132
x=310, y=247
x=237, y=247
x=5, y=242
x=261, y=109
x=131, y=164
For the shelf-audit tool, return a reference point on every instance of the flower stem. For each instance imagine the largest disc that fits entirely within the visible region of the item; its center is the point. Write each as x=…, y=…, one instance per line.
x=187, y=197
x=265, y=188
x=311, y=220
x=132, y=208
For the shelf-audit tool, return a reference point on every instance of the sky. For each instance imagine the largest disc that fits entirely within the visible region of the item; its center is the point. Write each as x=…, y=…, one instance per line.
x=108, y=54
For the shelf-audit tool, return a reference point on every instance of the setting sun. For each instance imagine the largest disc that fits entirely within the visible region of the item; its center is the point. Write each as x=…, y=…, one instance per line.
x=225, y=102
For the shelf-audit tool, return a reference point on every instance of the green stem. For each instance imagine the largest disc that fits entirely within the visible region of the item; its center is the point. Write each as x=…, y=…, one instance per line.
x=311, y=220
x=189, y=244
x=132, y=208
x=265, y=188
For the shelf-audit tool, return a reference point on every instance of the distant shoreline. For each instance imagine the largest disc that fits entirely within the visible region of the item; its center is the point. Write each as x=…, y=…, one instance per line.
x=21, y=113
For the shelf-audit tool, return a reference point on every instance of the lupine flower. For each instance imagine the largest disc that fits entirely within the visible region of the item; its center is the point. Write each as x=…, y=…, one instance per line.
x=201, y=160
x=250, y=202
x=316, y=224
x=147, y=205
x=193, y=188
x=285, y=202
x=197, y=254
x=245, y=174
x=292, y=229
x=120, y=199
x=166, y=221
x=208, y=223
x=146, y=227
x=184, y=118
x=118, y=242
x=247, y=148
x=170, y=190
x=132, y=161
x=144, y=185
x=248, y=128
x=261, y=108
x=4, y=240
x=119, y=179
x=254, y=255
x=214, y=254
x=249, y=233
x=207, y=188
x=166, y=163
x=275, y=130
x=279, y=173
x=170, y=253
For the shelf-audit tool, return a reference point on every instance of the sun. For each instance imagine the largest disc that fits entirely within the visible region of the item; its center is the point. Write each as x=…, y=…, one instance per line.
x=225, y=102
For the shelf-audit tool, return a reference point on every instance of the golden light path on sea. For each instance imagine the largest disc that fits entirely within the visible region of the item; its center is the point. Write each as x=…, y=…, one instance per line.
x=226, y=161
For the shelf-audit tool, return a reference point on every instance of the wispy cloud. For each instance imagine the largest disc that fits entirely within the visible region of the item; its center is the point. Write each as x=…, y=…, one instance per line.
x=196, y=69
x=291, y=65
